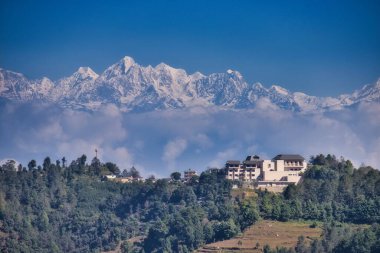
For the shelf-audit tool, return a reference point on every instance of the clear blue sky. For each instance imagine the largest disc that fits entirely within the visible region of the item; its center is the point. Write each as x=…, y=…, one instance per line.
x=319, y=47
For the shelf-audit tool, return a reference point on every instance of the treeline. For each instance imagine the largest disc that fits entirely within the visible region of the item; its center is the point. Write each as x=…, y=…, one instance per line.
x=68, y=208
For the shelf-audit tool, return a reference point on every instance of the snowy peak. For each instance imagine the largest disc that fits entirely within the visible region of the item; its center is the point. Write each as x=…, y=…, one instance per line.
x=162, y=66
x=86, y=72
x=370, y=92
x=127, y=62
x=197, y=75
x=165, y=69
x=377, y=84
x=7, y=74
x=258, y=86
x=45, y=85
x=137, y=88
x=279, y=90
x=234, y=73
x=120, y=68
x=17, y=87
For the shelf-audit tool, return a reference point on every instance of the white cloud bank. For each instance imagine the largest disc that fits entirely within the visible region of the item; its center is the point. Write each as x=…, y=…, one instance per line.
x=160, y=142
x=172, y=150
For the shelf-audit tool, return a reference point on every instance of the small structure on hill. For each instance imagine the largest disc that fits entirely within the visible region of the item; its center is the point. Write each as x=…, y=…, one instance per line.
x=109, y=177
x=127, y=176
x=188, y=174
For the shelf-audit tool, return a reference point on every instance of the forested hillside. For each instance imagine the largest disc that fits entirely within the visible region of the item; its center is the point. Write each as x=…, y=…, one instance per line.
x=70, y=208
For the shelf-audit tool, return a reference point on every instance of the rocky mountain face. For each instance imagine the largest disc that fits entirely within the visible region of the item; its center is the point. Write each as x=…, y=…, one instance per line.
x=137, y=88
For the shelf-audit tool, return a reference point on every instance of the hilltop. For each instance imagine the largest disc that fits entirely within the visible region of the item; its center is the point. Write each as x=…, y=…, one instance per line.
x=69, y=208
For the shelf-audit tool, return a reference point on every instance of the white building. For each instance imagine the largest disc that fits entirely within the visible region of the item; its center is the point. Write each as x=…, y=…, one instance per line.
x=110, y=176
x=278, y=172
x=249, y=170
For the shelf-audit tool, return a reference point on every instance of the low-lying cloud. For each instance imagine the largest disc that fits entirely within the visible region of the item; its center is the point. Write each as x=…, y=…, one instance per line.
x=174, y=140
x=172, y=150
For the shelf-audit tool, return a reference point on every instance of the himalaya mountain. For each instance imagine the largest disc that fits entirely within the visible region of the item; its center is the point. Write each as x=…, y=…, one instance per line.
x=137, y=88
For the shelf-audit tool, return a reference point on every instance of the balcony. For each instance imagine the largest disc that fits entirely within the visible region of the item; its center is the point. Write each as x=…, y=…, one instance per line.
x=293, y=164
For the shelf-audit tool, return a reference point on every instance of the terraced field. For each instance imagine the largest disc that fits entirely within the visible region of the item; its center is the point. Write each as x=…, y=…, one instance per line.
x=273, y=233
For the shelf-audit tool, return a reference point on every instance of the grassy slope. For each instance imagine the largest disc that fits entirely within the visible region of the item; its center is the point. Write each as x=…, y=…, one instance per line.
x=273, y=233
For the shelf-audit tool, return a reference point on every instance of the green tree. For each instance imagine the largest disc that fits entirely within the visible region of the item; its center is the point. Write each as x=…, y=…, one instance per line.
x=249, y=213
x=10, y=165
x=156, y=237
x=112, y=168
x=301, y=246
x=32, y=164
x=46, y=164
x=175, y=176
x=95, y=167
x=134, y=172
x=225, y=230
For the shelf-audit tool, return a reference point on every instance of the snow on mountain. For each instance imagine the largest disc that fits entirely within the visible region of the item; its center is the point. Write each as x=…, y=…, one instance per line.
x=368, y=93
x=86, y=72
x=16, y=86
x=137, y=88
x=72, y=87
x=223, y=89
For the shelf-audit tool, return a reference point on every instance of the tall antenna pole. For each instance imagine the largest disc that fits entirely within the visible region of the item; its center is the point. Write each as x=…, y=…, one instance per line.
x=96, y=153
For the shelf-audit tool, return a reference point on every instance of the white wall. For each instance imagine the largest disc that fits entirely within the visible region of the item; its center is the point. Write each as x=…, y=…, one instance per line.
x=268, y=165
x=279, y=165
x=274, y=175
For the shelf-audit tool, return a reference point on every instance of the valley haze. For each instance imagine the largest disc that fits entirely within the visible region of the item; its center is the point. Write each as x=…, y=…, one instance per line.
x=162, y=119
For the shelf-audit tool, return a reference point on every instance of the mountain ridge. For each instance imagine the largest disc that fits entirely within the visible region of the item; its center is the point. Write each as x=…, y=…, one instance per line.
x=137, y=88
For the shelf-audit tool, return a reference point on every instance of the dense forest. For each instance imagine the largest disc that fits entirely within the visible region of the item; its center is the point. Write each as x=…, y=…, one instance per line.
x=59, y=207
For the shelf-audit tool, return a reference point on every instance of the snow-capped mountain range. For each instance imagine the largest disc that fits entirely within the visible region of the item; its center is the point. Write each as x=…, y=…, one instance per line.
x=133, y=87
